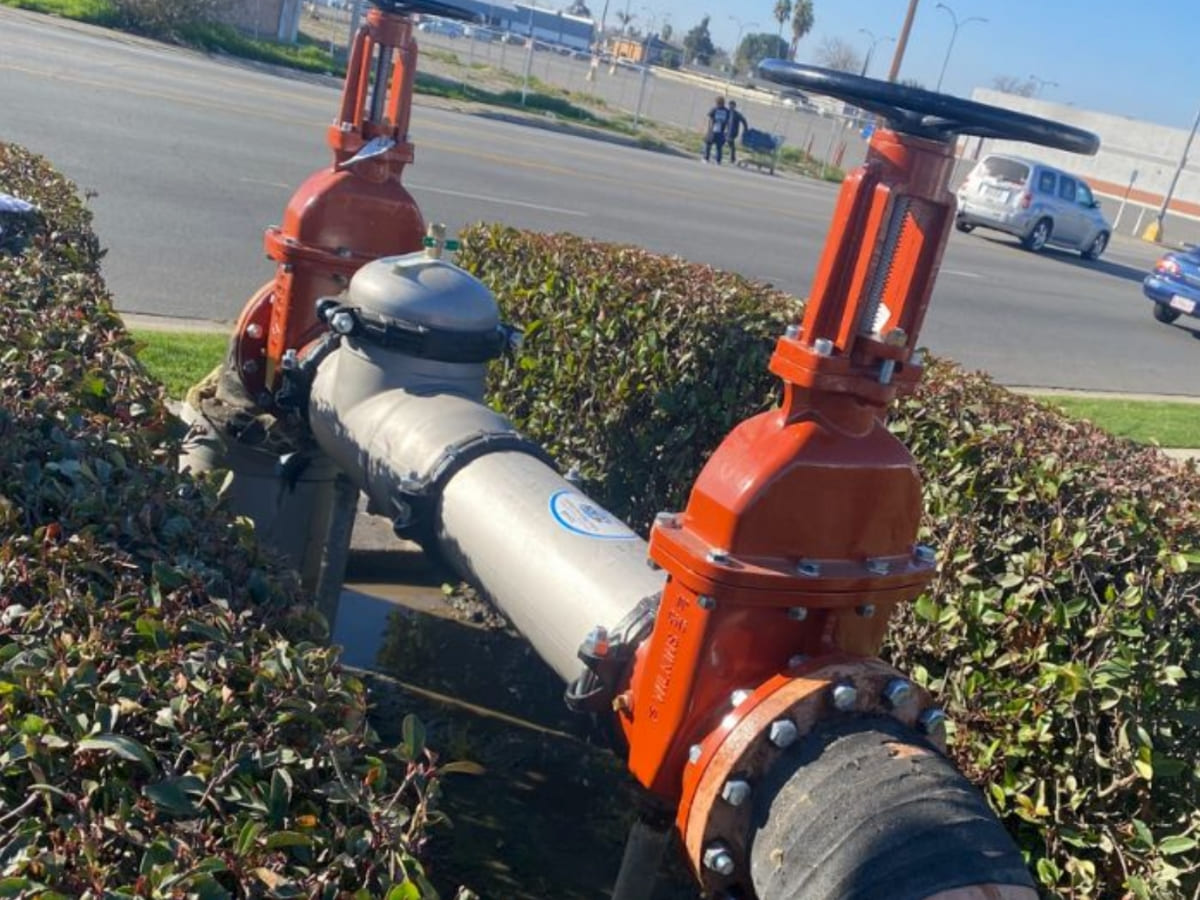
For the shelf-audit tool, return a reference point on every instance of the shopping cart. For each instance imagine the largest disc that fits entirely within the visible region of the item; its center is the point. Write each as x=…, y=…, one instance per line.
x=761, y=149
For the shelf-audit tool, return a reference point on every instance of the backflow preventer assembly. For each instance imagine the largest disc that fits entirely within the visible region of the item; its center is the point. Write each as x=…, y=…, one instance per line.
x=740, y=668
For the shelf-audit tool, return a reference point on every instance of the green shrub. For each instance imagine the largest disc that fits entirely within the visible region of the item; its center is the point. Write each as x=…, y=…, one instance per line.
x=1064, y=627
x=635, y=365
x=169, y=723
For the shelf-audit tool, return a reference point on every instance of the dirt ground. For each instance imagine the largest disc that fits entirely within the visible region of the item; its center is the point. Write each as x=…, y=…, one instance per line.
x=549, y=816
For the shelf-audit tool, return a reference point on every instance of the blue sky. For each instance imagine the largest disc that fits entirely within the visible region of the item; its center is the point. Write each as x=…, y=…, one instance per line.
x=1138, y=59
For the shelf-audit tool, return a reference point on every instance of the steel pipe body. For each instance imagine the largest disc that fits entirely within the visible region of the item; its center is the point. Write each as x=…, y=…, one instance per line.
x=554, y=561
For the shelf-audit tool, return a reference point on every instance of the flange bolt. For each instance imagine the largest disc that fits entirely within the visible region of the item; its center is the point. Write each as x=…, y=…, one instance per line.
x=823, y=347
x=717, y=858
x=704, y=601
x=718, y=557
x=896, y=692
x=932, y=722
x=736, y=791
x=783, y=733
x=740, y=696
x=925, y=555
x=797, y=613
x=844, y=696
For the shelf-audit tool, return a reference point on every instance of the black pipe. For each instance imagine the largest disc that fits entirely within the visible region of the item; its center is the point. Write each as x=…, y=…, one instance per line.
x=865, y=809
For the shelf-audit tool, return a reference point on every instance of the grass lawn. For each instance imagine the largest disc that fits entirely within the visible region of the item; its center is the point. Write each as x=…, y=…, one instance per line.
x=1162, y=422
x=180, y=359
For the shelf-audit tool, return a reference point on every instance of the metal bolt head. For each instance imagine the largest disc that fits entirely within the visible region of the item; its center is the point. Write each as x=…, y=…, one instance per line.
x=704, y=601
x=823, y=347
x=250, y=366
x=783, y=733
x=844, y=696
x=718, y=557
x=925, y=555
x=666, y=520
x=932, y=721
x=342, y=322
x=694, y=752
x=897, y=337
x=878, y=566
x=897, y=692
x=736, y=791
x=808, y=569
x=290, y=360
x=867, y=610
x=796, y=661
x=717, y=858
x=797, y=613
x=792, y=332
x=917, y=358
x=254, y=331
x=738, y=697
x=596, y=642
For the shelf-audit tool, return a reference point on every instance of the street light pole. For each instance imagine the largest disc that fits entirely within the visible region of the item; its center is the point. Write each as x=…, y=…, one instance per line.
x=1187, y=148
x=902, y=44
x=871, y=49
x=953, y=35
x=737, y=44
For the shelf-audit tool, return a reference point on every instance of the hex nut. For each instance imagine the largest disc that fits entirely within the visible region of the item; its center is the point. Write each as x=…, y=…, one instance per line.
x=783, y=733
x=694, y=753
x=897, y=692
x=866, y=611
x=794, y=662
x=719, y=557
x=736, y=791
x=797, y=613
x=845, y=696
x=704, y=601
x=932, y=721
x=717, y=858
x=808, y=569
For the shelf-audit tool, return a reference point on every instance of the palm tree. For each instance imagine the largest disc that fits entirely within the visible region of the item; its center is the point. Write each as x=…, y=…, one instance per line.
x=783, y=11
x=625, y=18
x=802, y=23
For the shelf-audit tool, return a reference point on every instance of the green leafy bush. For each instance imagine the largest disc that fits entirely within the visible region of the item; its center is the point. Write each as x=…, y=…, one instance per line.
x=170, y=725
x=634, y=366
x=1063, y=632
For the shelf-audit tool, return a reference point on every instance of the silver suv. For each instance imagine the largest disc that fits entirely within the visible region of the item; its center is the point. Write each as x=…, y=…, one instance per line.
x=1039, y=204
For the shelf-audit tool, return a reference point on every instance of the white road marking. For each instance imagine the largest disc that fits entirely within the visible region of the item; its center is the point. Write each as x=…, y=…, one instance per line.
x=274, y=184
x=960, y=273
x=504, y=201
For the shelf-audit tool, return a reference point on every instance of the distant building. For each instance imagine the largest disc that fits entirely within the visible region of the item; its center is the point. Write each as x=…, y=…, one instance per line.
x=653, y=51
x=550, y=26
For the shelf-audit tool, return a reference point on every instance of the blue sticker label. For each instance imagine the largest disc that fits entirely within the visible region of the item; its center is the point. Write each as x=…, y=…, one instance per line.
x=586, y=518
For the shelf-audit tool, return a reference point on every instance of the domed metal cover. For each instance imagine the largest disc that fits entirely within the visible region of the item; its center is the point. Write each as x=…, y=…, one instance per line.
x=424, y=292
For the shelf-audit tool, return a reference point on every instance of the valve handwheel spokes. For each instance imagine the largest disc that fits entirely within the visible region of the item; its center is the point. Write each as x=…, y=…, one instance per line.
x=927, y=114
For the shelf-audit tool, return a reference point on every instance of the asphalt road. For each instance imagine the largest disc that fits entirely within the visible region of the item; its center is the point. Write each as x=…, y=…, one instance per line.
x=191, y=158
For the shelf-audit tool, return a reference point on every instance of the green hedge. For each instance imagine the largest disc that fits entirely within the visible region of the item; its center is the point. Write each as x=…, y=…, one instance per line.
x=1063, y=630
x=170, y=724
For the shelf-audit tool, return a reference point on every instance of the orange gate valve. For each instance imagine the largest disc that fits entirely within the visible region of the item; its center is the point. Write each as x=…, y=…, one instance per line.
x=799, y=537
x=348, y=214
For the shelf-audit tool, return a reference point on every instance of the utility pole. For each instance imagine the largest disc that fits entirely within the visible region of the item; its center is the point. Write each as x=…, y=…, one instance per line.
x=902, y=43
x=1162, y=213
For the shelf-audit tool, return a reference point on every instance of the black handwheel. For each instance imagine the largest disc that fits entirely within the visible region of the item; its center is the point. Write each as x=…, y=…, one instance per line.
x=928, y=114
x=429, y=7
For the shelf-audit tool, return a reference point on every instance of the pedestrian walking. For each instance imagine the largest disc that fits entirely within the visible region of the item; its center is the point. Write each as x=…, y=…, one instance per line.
x=737, y=122
x=718, y=126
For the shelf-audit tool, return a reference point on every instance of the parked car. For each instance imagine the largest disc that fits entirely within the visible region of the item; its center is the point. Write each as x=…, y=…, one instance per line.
x=1035, y=202
x=441, y=26
x=1174, y=285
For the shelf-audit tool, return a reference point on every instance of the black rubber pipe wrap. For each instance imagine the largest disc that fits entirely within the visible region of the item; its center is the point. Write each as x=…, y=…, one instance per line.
x=864, y=809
